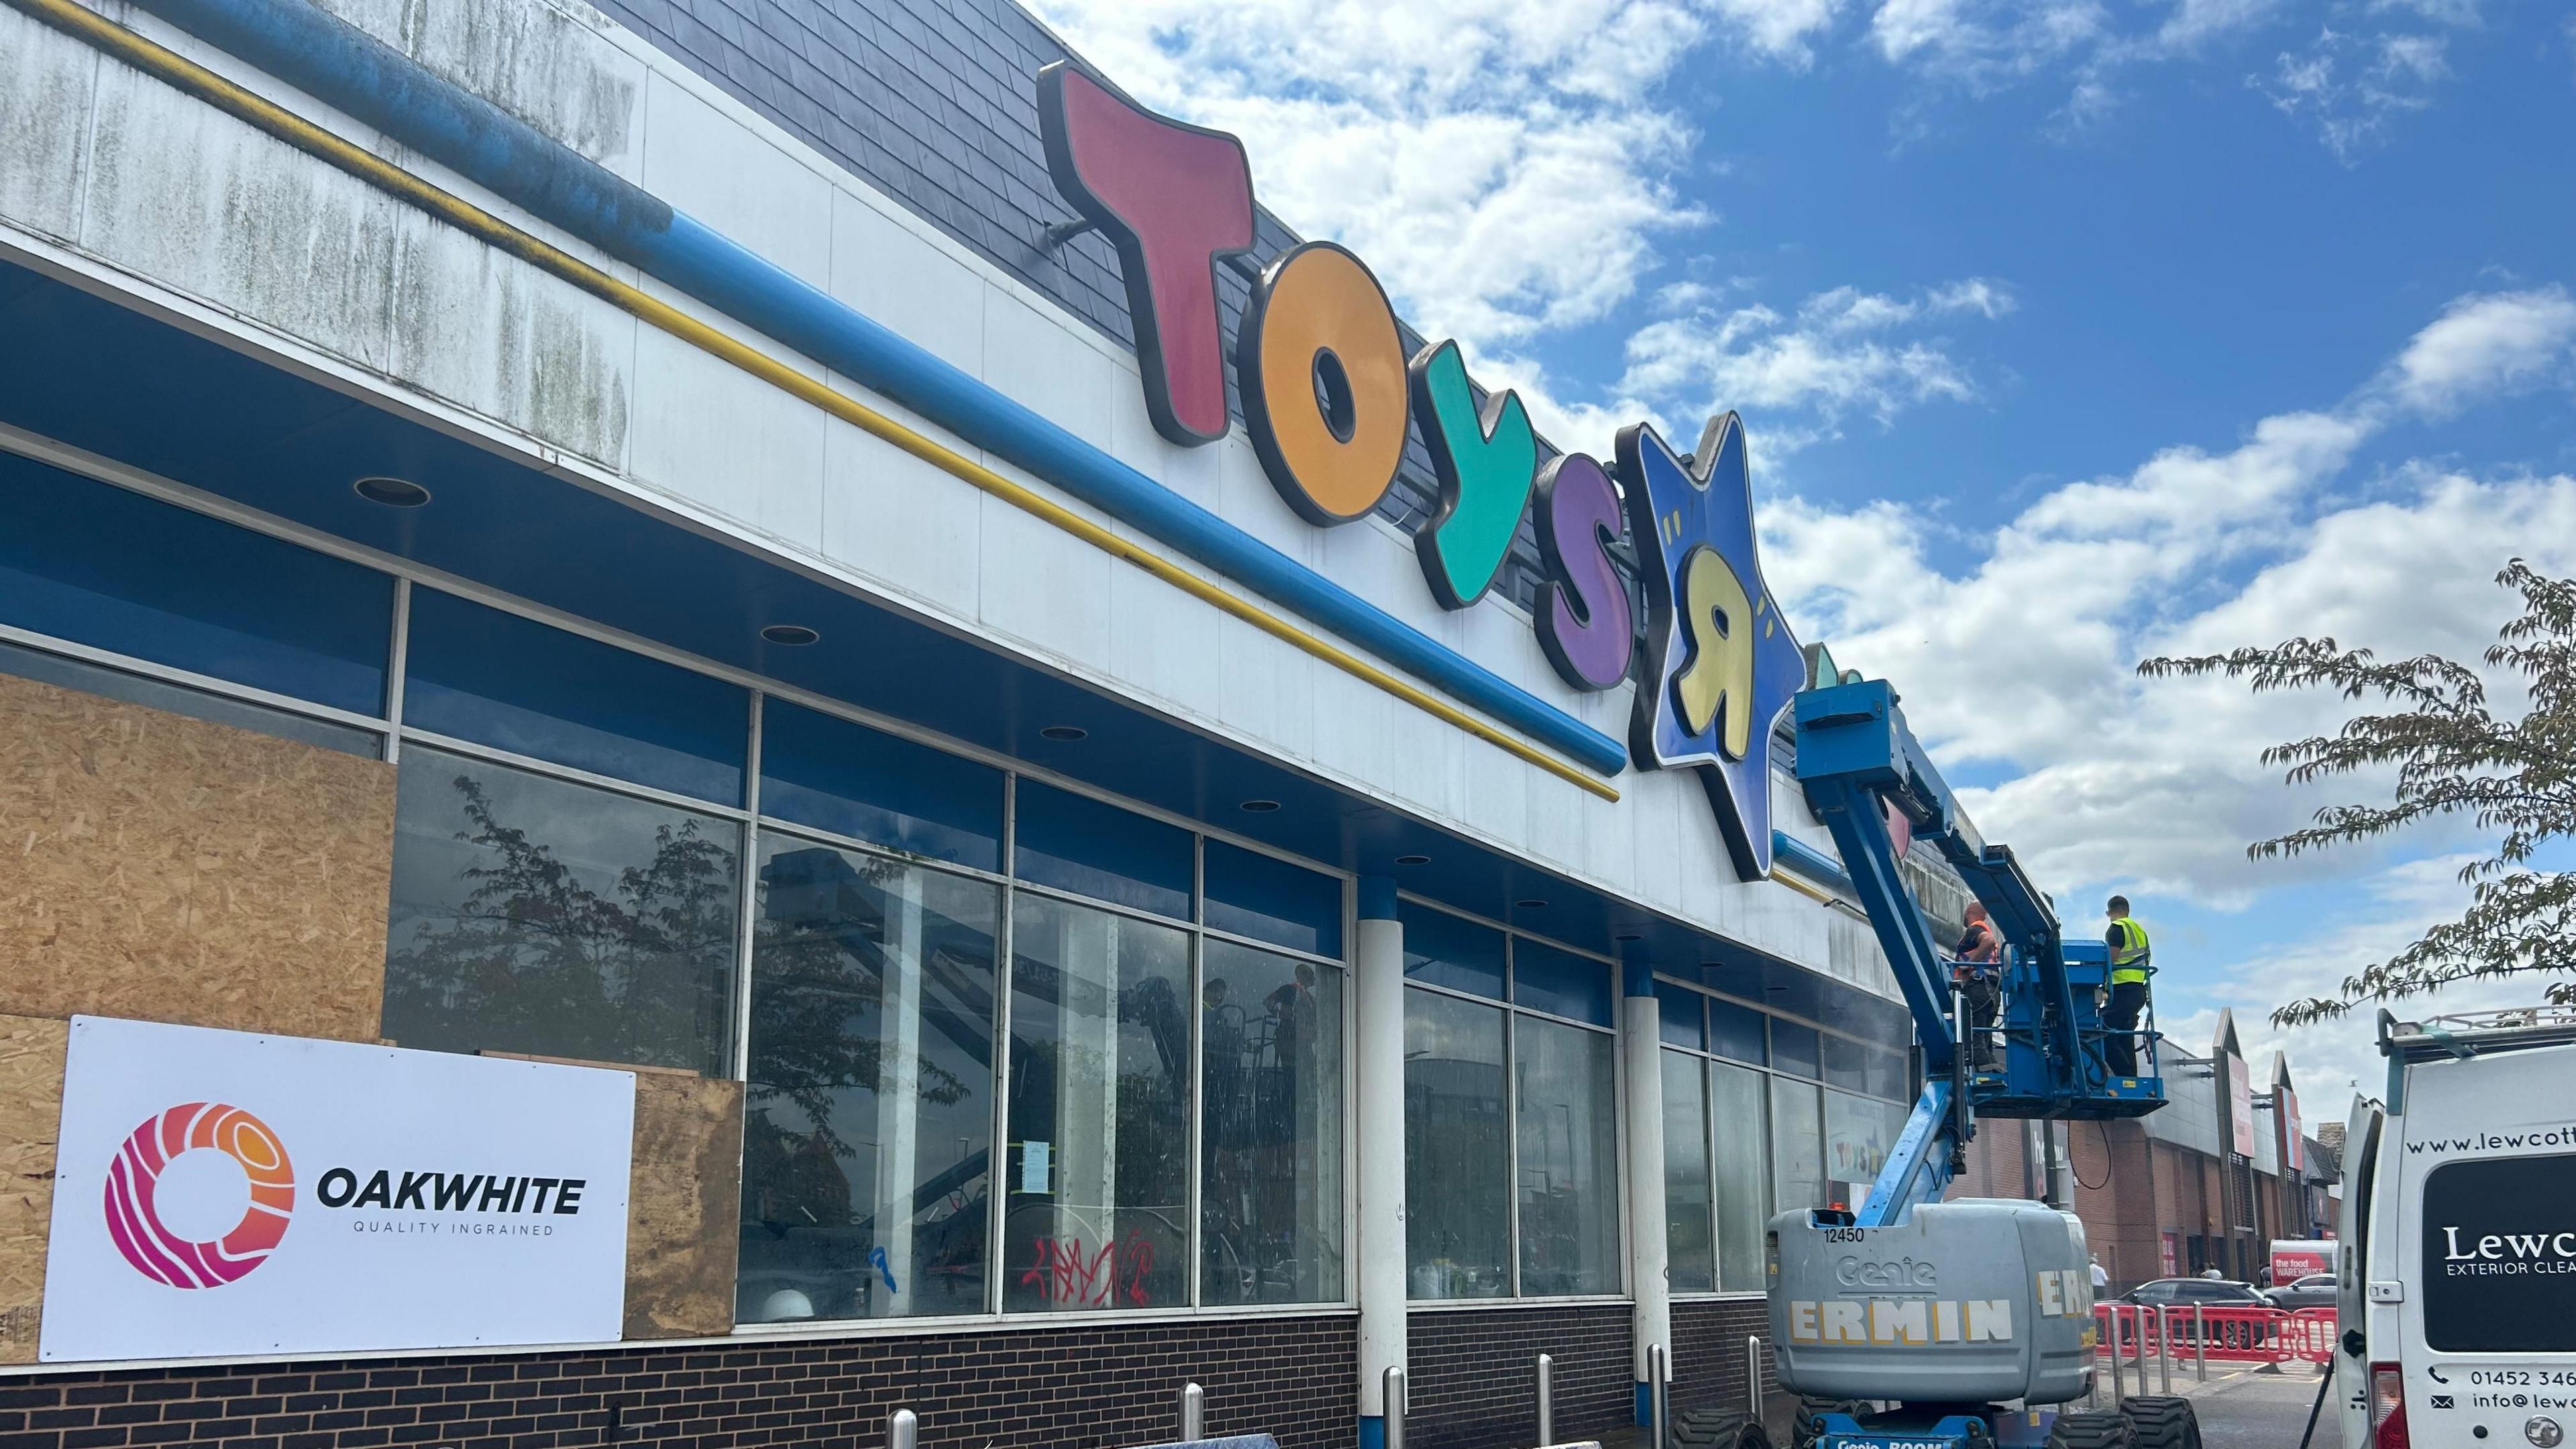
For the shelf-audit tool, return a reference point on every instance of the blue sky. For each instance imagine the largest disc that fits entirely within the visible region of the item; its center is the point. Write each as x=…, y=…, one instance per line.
x=2066, y=332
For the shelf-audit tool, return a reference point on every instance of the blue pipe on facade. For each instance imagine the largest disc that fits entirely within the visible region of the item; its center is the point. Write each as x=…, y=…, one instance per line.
x=1810, y=862
x=353, y=72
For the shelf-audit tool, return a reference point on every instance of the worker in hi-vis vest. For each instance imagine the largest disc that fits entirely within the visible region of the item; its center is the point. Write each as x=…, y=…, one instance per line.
x=2131, y=964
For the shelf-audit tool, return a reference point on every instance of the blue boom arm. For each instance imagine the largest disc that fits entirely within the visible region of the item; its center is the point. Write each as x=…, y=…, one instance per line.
x=1859, y=762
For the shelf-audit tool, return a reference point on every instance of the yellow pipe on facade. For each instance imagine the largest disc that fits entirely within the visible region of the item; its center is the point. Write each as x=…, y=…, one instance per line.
x=193, y=79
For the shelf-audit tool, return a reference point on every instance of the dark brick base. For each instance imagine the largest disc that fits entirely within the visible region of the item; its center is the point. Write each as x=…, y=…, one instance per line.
x=1068, y=1388
x=1708, y=1352
x=1472, y=1374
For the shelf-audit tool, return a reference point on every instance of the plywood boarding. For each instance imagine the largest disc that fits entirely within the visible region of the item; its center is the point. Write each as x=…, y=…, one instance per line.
x=685, y=1207
x=31, y=1111
x=164, y=868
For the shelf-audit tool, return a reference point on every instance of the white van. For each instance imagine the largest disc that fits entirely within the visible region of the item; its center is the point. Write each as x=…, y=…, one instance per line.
x=2456, y=1301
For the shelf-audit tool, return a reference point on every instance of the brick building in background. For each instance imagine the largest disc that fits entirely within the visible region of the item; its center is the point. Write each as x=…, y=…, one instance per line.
x=2171, y=1194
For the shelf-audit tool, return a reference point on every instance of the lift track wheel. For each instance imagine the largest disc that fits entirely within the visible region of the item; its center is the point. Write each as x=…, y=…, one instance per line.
x=2162, y=1423
x=2092, y=1431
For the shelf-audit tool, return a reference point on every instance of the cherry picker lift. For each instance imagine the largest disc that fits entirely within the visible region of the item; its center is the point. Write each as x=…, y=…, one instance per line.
x=1967, y=1319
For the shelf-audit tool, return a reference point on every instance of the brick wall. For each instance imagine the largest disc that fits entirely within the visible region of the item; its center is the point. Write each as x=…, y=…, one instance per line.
x=1071, y=1388
x=1708, y=1352
x=1471, y=1373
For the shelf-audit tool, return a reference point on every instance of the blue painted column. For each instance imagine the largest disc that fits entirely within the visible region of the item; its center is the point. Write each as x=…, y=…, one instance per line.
x=1641, y=1080
x=1377, y=1120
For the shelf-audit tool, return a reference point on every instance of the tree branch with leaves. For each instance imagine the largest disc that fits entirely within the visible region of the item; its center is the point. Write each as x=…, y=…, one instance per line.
x=2452, y=756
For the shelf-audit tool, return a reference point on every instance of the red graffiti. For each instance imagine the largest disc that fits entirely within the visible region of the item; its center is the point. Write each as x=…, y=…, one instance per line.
x=1067, y=1272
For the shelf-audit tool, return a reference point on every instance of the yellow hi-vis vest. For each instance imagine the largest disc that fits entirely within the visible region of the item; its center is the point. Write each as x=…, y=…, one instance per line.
x=2129, y=962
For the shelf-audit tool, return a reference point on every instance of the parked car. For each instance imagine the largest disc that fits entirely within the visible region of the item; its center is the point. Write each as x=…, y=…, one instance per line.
x=2209, y=1292
x=2316, y=1290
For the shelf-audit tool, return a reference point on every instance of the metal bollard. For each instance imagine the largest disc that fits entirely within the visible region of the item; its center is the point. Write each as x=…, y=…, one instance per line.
x=1546, y=1399
x=1393, y=1399
x=2164, y=1348
x=903, y=1430
x=1193, y=1413
x=1753, y=1378
x=2119, y=1358
x=1659, y=1378
x=2200, y=1338
x=2143, y=1382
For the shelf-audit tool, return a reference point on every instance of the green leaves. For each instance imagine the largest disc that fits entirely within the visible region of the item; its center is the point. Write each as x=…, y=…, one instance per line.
x=2515, y=778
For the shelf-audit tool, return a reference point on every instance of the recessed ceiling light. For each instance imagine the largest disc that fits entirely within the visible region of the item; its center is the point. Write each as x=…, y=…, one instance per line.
x=789, y=634
x=392, y=492
x=1260, y=807
x=1531, y=903
x=1413, y=860
x=1064, y=734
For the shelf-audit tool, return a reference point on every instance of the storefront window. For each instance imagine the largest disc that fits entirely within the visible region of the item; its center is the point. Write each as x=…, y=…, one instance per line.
x=537, y=916
x=867, y=1136
x=833, y=775
x=1270, y=1134
x=1098, y=1159
x=1738, y=1032
x=1569, y=1157
x=1797, y=1145
x=1078, y=844
x=1690, y=1257
x=514, y=684
x=1457, y=1151
x=100, y=566
x=1271, y=900
x=1859, y=1133
x=1742, y=1161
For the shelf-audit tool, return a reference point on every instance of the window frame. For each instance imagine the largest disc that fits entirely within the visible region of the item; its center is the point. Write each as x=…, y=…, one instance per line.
x=1621, y=1132
x=1768, y=1069
x=391, y=735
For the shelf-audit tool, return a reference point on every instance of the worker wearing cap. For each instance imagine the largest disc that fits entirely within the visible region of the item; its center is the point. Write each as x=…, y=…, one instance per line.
x=2131, y=964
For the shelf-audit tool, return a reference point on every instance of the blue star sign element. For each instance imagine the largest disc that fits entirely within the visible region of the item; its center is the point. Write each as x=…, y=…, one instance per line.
x=1720, y=662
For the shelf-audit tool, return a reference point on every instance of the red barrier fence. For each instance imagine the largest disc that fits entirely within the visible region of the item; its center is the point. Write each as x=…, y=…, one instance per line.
x=2235, y=1334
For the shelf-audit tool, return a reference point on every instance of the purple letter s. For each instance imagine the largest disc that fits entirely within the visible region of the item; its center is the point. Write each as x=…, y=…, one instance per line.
x=1584, y=622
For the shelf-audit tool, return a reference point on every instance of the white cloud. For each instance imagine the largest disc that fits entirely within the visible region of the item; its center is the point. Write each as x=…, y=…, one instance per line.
x=2485, y=343
x=2353, y=87
x=1796, y=376
x=1779, y=29
x=1495, y=161
x=2329, y=1061
x=2016, y=649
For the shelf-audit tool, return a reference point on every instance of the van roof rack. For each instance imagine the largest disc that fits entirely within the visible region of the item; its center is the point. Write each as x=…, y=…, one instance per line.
x=2464, y=1034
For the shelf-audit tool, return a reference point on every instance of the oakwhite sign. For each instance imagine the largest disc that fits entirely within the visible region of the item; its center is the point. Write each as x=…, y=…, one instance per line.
x=219, y=1193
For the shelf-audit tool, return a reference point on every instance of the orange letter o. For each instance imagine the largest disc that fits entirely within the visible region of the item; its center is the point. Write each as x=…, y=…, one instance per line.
x=1322, y=372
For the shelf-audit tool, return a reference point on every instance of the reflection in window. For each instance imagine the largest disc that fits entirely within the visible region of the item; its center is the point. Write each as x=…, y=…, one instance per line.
x=1270, y=1031
x=1098, y=1163
x=1457, y=1160
x=1690, y=1258
x=537, y=916
x=1859, y=1133
x=1569, y=1158
x=1742, y=1158
x=1797, y=1146
x=869, y=1108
